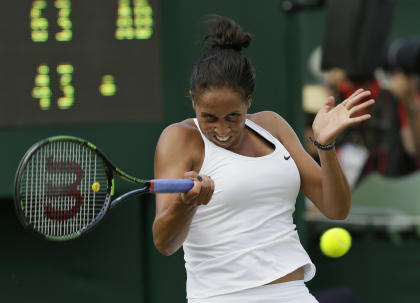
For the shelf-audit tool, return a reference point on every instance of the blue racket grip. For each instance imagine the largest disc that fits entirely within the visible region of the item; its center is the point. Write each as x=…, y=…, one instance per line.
x=171, y=185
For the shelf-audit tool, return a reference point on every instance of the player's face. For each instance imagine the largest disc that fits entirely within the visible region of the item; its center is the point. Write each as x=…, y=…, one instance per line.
x=221, y=114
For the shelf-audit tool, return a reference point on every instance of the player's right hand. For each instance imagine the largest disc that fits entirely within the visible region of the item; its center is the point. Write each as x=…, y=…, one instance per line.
x=202, y=190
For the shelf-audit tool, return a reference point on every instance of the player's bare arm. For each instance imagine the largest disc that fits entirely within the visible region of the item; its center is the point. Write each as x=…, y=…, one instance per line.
x=326, y=186
x=312, y=176
x=178, y=154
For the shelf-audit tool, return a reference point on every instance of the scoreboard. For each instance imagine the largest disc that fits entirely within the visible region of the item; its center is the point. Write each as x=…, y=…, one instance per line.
x=79, y=61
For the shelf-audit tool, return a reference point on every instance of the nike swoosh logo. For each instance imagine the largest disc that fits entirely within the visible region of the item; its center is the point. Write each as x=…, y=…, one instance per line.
x=287, y=158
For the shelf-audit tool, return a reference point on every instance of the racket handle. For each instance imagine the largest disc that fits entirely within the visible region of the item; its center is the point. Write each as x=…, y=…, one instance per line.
x=171, y=185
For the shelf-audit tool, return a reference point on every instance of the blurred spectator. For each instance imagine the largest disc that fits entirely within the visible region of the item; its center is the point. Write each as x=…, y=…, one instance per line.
x=389, y=142
x=405, y=88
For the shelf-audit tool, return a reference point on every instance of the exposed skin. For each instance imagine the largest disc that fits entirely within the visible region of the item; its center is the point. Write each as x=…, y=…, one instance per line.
x=221, y=114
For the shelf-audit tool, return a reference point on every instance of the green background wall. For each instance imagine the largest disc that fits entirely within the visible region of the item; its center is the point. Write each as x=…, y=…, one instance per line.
x=117, y=261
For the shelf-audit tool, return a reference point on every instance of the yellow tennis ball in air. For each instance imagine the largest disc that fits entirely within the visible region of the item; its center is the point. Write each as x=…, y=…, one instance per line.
x=335, y=242
x=96, y=186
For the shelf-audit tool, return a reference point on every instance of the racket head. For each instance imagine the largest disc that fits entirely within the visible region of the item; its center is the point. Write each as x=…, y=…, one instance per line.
x=63, y=188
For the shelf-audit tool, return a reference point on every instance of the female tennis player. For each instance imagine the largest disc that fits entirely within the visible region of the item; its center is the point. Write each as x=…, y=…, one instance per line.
x=235, y=224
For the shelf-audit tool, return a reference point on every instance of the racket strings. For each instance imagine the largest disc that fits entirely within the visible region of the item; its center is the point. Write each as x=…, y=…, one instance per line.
x=57, y=193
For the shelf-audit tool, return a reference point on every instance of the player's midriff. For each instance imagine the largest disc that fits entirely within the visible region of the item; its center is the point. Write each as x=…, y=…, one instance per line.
x=293, y=276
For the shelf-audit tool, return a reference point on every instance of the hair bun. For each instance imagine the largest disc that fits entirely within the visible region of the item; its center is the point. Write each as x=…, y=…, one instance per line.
x=225, y=33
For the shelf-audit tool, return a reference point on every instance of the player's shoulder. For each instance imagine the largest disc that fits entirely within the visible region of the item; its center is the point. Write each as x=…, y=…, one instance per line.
x=272, y=122
x=181, y=142
x=181, y=135
x=275, y=124
x=185, y=129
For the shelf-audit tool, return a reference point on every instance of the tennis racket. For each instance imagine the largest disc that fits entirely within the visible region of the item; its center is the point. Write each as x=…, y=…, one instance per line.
x=64, y=185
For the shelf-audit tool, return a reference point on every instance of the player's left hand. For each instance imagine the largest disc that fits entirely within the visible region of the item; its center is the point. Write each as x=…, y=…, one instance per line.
x=332, y=120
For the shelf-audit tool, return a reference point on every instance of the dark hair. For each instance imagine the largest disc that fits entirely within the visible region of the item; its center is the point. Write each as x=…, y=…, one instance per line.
x=222, y=63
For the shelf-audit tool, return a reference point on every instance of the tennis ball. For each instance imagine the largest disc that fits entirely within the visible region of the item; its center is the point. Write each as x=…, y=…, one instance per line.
x=335, y=242
x=96, y=186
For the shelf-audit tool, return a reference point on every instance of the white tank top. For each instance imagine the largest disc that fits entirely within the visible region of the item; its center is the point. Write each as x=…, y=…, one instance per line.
x=245, y=236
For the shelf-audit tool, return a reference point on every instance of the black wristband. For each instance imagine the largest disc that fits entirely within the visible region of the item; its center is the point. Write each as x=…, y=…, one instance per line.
x=322, y=147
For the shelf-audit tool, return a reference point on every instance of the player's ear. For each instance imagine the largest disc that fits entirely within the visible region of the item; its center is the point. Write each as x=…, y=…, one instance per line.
x=192, y=99
x=249, y=101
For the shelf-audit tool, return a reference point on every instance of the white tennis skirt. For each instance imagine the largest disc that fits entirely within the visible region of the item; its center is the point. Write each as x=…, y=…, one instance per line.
x=286, y=292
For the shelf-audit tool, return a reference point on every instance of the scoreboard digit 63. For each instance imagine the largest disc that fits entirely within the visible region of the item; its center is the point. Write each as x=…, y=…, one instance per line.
x=79, y=61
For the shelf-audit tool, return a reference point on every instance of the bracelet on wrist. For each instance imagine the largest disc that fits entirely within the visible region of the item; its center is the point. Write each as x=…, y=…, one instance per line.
x=321, y=146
